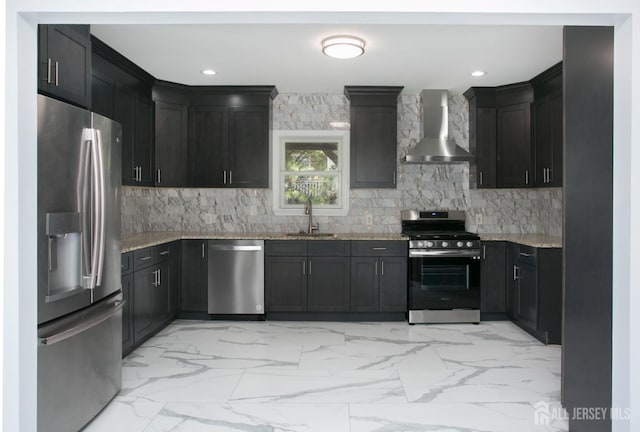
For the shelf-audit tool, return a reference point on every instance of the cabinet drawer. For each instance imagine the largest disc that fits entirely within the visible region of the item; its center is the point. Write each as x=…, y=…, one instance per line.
x=527, y=255
x=127, y=263
x=379, y=248
x=161, y=253
x=329, y=248
x=142, y=258
x=286, y=247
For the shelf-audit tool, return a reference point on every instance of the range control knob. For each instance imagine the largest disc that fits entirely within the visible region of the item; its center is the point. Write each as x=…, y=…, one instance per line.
x=460, y=244
x=429, y=244
x=445, y=244
x=469, y=244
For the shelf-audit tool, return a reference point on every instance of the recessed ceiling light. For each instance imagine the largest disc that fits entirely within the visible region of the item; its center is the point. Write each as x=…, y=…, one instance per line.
x=343, y=47
x=478, y=73
x=208, y=72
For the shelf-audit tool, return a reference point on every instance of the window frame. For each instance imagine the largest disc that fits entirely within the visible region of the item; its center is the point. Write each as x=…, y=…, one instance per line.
x=279, y=139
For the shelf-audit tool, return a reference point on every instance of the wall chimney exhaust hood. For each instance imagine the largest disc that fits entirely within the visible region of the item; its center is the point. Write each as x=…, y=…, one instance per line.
x=435, y=146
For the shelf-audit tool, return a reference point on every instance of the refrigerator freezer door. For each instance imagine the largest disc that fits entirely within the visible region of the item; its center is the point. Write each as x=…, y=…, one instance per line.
x=61, y=166
x=109, y=140
x=79, y=366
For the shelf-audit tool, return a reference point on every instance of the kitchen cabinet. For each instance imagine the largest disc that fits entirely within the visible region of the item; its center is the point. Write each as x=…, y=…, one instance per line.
x=171, y=134
x=122, y=91
x=493, y=278
x=373, y=136
x=229, y=136
x=193, y=294
x=127, y=311
x=64, y=56
x=303, y=276
x=535, y=291
x=548, y=127
x=482, y=136
x=378, y=276
x=175, y=277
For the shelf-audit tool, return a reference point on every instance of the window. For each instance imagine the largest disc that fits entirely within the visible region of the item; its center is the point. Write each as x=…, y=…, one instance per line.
x=310, y=165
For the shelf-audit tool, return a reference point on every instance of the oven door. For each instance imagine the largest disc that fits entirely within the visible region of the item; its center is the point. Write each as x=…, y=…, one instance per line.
x=444, y=282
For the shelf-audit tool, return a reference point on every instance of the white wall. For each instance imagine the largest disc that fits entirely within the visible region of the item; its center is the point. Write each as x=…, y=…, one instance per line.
x=19, y=159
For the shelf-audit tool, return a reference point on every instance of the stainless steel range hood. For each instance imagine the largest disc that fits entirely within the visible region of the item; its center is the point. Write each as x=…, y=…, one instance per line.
x=435, y=145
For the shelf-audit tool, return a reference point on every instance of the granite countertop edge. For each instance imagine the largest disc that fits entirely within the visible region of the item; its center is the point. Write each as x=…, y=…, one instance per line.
x=534, y=240
x=135, y=241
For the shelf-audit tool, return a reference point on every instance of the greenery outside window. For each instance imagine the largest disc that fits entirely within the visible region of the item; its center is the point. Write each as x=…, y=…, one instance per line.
x=310, y=165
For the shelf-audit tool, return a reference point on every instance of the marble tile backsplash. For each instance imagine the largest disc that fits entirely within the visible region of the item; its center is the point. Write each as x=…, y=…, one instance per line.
x=442, y=186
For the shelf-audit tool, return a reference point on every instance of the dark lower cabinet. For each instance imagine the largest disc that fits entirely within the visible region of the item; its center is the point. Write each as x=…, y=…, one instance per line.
x=142, y=304
x=193, y=293
x=127, y=314
x=328, y=284
x=365, y=284
x=175, y=277
x=493, y=278
x=286, y=283
x=393, y=284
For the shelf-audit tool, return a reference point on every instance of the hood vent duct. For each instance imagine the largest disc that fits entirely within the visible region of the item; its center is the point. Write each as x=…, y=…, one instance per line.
x=435, y=146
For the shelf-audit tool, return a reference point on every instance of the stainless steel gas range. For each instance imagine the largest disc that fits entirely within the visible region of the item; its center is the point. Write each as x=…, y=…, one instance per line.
x=444, y=267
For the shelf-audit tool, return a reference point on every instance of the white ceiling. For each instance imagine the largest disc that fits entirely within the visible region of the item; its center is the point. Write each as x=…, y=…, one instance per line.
x=289, y=55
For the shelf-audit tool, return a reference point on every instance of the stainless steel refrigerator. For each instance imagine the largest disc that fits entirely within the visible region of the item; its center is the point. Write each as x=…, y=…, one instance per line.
x=79, y=287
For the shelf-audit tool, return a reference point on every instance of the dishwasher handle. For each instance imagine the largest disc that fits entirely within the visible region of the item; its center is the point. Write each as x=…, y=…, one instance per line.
x=244, y=248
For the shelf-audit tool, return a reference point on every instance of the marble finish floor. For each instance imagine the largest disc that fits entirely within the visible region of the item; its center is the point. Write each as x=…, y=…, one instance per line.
x=279, y=376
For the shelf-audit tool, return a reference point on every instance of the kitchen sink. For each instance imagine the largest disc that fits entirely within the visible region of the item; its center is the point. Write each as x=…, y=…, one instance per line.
x=314, y=234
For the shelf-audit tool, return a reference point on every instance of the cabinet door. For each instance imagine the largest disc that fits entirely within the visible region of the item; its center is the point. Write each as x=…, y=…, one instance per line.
x=193, y=291
x=162, y=296
x=127, y=318
x=286, y=284
x=364, y=284
x=542, y=139
x=143, y=140
x=207, y=139
x=485, y=136
x=373, y=147
x=328, y=289
x=554, y=176
x=393, y=284
x=103, y=89
x=65, y=63
x=175, y=258
x=248, y=147
x=143, y=303
x=125, y=114
x=514, y=146
x=493, y=277
x=527, y=304
x=512, y=279
x=171, y=158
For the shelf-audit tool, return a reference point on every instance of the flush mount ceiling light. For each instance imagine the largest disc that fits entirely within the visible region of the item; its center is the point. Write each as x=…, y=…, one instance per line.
x=478, y=73
x=343, y=47
x=208, y=72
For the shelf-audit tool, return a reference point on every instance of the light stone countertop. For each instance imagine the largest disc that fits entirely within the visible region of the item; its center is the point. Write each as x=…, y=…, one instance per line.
x=131, y=242
x=534, y=240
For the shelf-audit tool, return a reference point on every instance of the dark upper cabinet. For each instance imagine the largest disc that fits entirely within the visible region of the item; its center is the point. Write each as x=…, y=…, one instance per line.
x=193, y=294
x=122, y=91
x=229, y=136
x=373, y=136
x=482, y=136
x=64, y=55
x=513, y=136
x=548, y=127
x=493, y=277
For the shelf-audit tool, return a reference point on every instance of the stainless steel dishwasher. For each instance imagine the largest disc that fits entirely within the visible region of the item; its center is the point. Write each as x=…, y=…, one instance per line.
x=236, y=277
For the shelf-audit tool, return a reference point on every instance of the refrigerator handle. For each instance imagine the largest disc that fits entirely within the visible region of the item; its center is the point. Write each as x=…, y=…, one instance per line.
x=84, y=202
x=99, y=199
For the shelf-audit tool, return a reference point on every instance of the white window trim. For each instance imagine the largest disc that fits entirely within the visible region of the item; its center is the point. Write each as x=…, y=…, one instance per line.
x=277, y=155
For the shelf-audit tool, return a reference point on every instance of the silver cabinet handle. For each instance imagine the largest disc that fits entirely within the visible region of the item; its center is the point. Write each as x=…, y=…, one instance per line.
x=309, y=267
x=139, y=173
x=56, y=74
x=381, y=268
x=379, y=248
x=159, y=277
x=202, y=250
x=49, y=70
x=304, y=267
x=515, y=272
x=524, y=254
x=147, y=258
x=394, y=177
x=376, y=270
x=230, y=177
x=164, y=253
x=159, y=176
x=224, y=174
x=526, y=176
x=546, y=178
x=481, y=182
x=484, y=252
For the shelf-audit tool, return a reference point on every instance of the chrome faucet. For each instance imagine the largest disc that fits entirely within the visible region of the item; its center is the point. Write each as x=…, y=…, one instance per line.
x=308, y=210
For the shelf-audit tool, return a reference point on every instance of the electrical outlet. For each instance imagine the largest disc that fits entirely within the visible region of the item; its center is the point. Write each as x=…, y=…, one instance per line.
x=478, y=218
x=369, y=220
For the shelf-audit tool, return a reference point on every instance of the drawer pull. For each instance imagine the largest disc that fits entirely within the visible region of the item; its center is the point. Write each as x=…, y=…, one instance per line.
x=379, y=248
x=164, y=253
x=524, y=254
x=147, y=258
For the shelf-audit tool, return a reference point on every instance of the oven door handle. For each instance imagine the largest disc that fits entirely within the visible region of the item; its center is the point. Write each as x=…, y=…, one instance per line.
x=465, y=253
